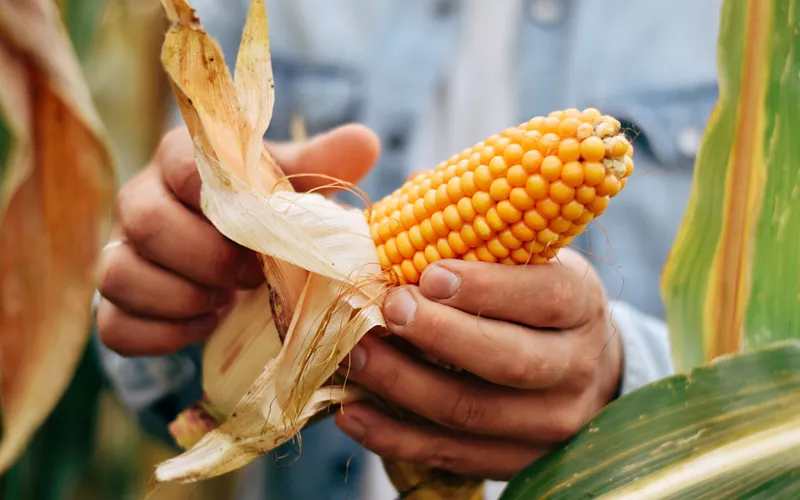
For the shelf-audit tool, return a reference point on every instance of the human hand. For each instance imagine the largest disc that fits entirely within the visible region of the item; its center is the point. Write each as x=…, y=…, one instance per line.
x=540, y=349
x=173, y=275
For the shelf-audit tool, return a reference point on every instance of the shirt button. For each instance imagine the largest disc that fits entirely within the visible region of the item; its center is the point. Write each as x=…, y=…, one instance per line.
x=688, y=141
x=546, y=12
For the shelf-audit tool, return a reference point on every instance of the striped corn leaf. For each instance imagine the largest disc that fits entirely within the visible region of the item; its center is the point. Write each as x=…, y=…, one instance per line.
x=730, y=426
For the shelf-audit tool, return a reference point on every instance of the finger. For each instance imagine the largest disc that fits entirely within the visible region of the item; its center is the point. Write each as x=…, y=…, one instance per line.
x=346, y=153
x=434, y=446
x=505, y=353
x=132, y=335
x=459, y=403
x=164, y=232
x=142, y=288
x=563, y=293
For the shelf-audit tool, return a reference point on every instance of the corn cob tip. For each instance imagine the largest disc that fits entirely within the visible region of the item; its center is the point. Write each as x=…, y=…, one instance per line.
x=515, y=198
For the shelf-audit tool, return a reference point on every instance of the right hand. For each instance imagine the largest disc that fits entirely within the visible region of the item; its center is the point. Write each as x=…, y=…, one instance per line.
x=173, y=275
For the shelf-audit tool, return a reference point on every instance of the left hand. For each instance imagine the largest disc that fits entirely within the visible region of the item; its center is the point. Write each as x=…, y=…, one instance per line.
x=542, y=355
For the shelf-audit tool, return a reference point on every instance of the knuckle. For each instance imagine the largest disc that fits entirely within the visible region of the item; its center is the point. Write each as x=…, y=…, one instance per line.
x=140, y=220
x=523, y=370
x=112, y=276
x=108, y=327
x=565, y=424
x=464, y=411
x=563, y=295
x=442, y=456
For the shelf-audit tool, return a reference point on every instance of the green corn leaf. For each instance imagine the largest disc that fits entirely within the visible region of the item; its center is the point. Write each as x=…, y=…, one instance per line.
x=733, y=279
x=729, y=429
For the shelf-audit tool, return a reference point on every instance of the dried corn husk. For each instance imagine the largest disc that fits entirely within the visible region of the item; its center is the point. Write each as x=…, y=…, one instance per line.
x=323, y=277
x=56, y=204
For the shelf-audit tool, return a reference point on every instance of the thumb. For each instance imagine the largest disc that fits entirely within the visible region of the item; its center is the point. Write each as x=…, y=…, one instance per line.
x=346, y=153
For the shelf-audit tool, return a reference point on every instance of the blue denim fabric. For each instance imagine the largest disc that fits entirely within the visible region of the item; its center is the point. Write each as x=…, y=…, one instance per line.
x=652, y=64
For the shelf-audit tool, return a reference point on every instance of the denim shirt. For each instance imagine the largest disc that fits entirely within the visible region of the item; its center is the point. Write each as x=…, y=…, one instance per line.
x=651, y=64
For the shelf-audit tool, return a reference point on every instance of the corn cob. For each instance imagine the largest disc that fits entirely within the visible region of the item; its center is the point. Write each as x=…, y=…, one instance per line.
x=516, y=198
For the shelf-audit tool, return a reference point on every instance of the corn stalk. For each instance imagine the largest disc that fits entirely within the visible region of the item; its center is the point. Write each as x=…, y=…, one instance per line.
x=730, y=426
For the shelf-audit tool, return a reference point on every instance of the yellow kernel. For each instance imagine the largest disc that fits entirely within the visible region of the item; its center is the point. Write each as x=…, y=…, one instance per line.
x=575, y=230
x=536, y=123
x=572, y=210
x=585, y=218
x=404, y=245
x=508, y=261
x=430, y=201
x=457, y=243
x=623, y=182
x=492, y=139
x=531, y=161
x=454, y=189
x=618, y=147
x=507, y=212
x=551, y=251
x=537, y=187
x=392, y=252
x=501, y=145
x=382, y=257
x=539, y=259
x=551, y=168
x=470, y=256
x=398, y=275
x=520, y=199
x=593, y=173
x=561, y=193
x=593, y=149
x=463, y=168
x=494, y=220
x=559, y=224
x=373, y=232
x=426, y=227
x=609, y=187
x=420, y=212
x=520, y=256
x=589, y=114
x=416, y=238
x=497, y=249
x=465, y=209
x=513, y=133
x=569, y=127
x=407, y=216
x=444, y=249
x=487, y=154
x=482, y=228
x=546, y=237
x=449, y=173
x=497, y=167
x=452, y=218
x=517, y=176
x=437, y=179
x=548, y=144
x=483, y=177
x=533, y=247
x=522, y=232
x=468, y=186
x=585, y=194
x=431, y=254
x=437, y=221
x=572, y=113
x=470, y=237
x=598, y=205
x=484, y=254
x=513, y=153
x=481, y=202
x=551, y=124
x=531, y=140
x=474, y=161
x=500, y=189
x=572, y=174
x=584, y=130
x=534, y=220
x=569, y=150
x=410, y=272
x=413, y=193
x=508, y=239
x=628, y=166
x=548, y=208
x=442, y=200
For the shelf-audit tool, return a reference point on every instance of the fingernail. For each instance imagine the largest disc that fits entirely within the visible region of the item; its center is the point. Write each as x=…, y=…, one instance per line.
x=439, y=283
x=400, y=307
x=250, y=274
x=355, y=361
x=352, y=427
